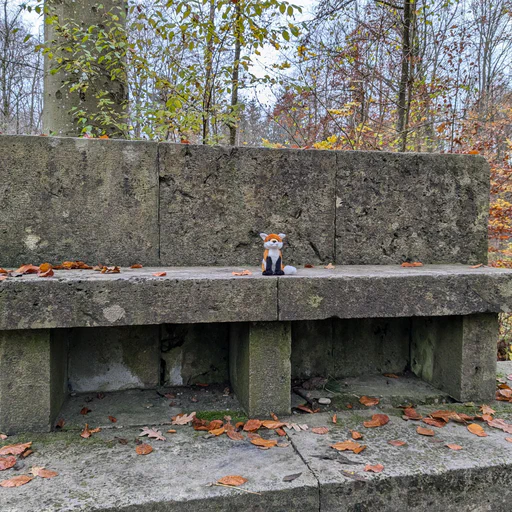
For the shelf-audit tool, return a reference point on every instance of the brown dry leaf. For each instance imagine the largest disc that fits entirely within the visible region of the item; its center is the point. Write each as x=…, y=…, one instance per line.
x=378, y=420
x=446, y=416
x=85, y=410
x=243, y=273
x=376, y=468
x=143, y=449
x=272, y=425
x=368, y=401
x=335, y=418
x=265, y=443
x=44, y=267
x=152, y=434
x=412, y=264
x=3, y=271
x=111, y=270
x=349, y=446
x=15, y=449
x=217, y=431
x=356, y=435
x=27, y=269
x=252, y=425
x=233, y=480
x=95, y=430
x=172, y=431
x=412, y=413
x=305, y=408
x=507, y=393
x=16, y=481
x=86, y=433
x=453, y=446
x=434, y=423
x=424, y=431
x=390, y=375
x=43, y=473
x=3, y=437
x=160, y=274
x=477, y=430
x=502, y=425
x=280, y=432
x=183, y=418
x=3, y=278
x=112, y=419
x=509, y=439
x=396, y=443
x=320, y=430
x=26, y=453
x=330, y=266
x=282, y=445
x=477, y=266
x=234, y=435
x=487, y=410
x=60, y=423
x=308, y=265
x=252, y=435
x=136, y=265
x=7, y=462
x=274, y=416
x=215, y=424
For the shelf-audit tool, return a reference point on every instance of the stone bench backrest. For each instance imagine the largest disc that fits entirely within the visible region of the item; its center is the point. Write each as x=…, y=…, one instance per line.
x=124, y=202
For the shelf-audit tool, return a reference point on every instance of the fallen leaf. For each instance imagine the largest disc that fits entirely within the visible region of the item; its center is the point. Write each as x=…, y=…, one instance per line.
x=348, y=446
x=121, y=440
x=487, y=410
x=16, y=481
x=15, y=449
x=152, y=434
x=280, y=432
x=27, y=269
x=44, y=267
x=43, y=473
x=265, y=443
x=183, y=418
x=378, y=420
x=446, y=416
x=274, y=416
x=390, y=375
x=330, y=266
x=233, y=480
x=3, y=271
x=291, y=478
x=143, y=449
x=396, y=443
x=305, y=408
x=111, y=270
x=7, y=462
x=356, y=435
x=252, y=425
x=26, y=453
x=234, y=435
x=434, y=423
x=217, y=431
x=507, y=393
x=368, y=401
x=376, y=468
x=112, y=419
x=3, y=437
x=335, y=418
x=136, y=265
x=412, y=413
x=60, y=423
x=473, y=152
x=103, y=136
x=3, y=278
x=172, y=431
x=215, y=424
x=85, y=411
x=453, y=446
x=477, y=266
x=320, y=430
x=509, y=439
x=86, y=432
x=253, y=435
x=243, y=273
x=412, y=264
x=477, y=430
x=49, y=273
x=272, y=425
x=424, y=431
x=95, y=430
x=282, y=445
x=160, y=274
x=308, y=265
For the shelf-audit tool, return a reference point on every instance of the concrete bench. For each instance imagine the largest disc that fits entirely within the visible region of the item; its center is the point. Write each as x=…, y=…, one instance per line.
x=195, y=213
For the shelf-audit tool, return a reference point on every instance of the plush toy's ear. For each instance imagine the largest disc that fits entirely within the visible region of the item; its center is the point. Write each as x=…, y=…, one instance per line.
x=263, y=236
x=282, y=236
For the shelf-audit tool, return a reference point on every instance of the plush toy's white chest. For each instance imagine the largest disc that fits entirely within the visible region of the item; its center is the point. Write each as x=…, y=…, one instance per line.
x=274, y=254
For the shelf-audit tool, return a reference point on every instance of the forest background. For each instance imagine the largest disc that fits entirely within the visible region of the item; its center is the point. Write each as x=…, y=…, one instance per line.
x=397, y=75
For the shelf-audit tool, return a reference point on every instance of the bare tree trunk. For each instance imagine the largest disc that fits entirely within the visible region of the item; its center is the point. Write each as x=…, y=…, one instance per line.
x=208, y=63
x=235, y=74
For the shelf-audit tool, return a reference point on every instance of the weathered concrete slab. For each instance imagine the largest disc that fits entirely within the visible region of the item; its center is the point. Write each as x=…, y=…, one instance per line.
x=384, y=291
x=114, y=358
x=78, y=199
x=136, y=297
x=215, y=200
x=393, y=207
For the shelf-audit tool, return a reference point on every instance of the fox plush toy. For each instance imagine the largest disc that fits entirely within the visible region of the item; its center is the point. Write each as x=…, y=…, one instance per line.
x=272, y=264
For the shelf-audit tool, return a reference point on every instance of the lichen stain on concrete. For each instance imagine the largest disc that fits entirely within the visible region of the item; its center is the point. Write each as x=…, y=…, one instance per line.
x=339, y=202
x=114, y=313
x=31, y=241
x=315, y=301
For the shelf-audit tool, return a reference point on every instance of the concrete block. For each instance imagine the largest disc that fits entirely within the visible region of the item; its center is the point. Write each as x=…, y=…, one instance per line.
x=391, y=207
x=195, y=353
x=259, y=366
x=114, y=358
x=215, y=200
x=78, y=199
x=457, y=354
x=33, y=380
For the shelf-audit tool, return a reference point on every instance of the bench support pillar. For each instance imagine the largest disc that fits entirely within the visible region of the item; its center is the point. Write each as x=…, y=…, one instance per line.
x=457, y=354
x=33, y=380
x=260, y=368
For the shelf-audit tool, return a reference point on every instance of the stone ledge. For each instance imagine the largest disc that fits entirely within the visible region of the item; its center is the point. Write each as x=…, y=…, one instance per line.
x=77, y=298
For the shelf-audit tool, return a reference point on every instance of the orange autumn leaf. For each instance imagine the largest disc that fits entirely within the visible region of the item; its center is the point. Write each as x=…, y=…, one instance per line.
x=215, y=424
x=272, y=425
x=48, y=273
x=368, y=401
x=234, y=435
x=3, y=271
x=252, y=425
x=396, y=443
x=160, y=274
x=477, y=430
x=412, y=413
x=453, y=446
x=15, y=449
x=172, y=431
x=305, y=408
x=424, y=431
x=143, y=449
x=473, y=152
x=233, y=480
x=43, y=473
x=509, y=439
x=330, y=266
x=136, y=265
x=477, y=266
x=378, y=420
x=335, y=418
x=27, y=269
x=320, y=430
x=7, y=462
x=16, y=481
x=434, y=423
x=265, y=443
x=390, y=375
x=112, y=419
x=85, y=410
x=217, y=431
x=487, y=410
x=243, y=273
x=103, y=137
x=376, y=468
x=44, y=267
x=349, y=446
x=356, y=435
x=412, y=264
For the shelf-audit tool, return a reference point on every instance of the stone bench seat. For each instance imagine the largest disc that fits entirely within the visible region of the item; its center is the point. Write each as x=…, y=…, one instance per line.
x=451, y=312
x=84, y=298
